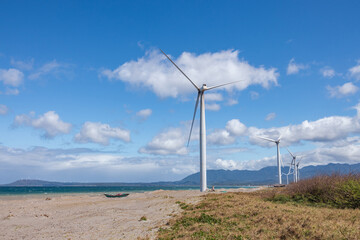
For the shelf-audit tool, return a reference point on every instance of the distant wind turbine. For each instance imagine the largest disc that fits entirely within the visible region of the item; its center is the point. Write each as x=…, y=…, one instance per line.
x=296, y=165
x=200, y=97
x=278, y=154
x=298, y=171
x=293, y=161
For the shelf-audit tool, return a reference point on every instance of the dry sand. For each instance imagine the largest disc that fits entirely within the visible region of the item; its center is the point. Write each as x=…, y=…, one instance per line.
x=91, y=216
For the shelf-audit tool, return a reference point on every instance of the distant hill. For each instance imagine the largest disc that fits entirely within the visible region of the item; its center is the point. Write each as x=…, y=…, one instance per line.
x=264, y=176
x=267, y=175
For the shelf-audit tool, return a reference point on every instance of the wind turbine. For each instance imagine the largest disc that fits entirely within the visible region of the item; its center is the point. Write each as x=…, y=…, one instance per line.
x=297, y=171
x=287, y=174
x=200, y=96
x=278, y=154
x=293, y=161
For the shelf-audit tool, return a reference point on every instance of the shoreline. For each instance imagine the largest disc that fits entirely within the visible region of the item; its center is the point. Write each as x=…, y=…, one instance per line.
x=25, y=195
x=84, y=216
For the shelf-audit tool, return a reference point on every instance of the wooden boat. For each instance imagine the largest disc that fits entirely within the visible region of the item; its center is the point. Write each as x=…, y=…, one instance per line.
x=116, y=195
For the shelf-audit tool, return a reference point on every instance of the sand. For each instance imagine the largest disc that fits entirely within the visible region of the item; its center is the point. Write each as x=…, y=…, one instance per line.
x=91, y=216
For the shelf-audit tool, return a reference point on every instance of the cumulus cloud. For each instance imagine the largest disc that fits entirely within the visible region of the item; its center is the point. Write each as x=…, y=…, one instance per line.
x=11, y=77
x=155, y=72
x=342, y=91
x=3, y=109
x=314, y=131
x=270, y=116
x=294, y=68
x=169, y=142
x=327, y=72
x=97, y=132
x=226, y=164
x=49, y=122
x=144, y=113
x=355, y=71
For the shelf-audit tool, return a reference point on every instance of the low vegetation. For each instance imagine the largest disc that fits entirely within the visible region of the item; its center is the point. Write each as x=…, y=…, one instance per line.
x=253, y=216
x=340, y=191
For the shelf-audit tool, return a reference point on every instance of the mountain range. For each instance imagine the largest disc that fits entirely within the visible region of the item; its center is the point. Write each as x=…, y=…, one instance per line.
x=264, y=176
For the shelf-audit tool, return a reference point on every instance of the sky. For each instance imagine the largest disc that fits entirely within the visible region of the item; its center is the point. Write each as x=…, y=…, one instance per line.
x=86, y=95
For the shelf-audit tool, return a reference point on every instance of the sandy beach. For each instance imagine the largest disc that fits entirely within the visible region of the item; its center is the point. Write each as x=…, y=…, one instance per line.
x=91, y=216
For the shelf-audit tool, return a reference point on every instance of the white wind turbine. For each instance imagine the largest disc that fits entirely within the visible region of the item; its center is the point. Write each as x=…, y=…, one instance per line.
x=200, y=96
x=297, y=171
x=293, y=161
x=296, y=165
x=278, y=154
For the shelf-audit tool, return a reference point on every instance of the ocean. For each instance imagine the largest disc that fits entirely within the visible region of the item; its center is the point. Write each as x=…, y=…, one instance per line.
x=10, y=191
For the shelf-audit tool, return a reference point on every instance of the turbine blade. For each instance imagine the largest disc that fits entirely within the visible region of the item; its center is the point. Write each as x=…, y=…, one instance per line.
x=268, y=139
x=192, y=123
x=290, y=153
x=279, y=137
x=209, y=88
x=299, y=160
x=181, y=71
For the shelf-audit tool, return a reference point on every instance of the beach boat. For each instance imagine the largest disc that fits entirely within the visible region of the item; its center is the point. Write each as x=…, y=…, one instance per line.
x=116, y=195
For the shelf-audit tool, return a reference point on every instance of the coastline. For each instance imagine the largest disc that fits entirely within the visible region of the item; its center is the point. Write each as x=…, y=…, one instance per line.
x=93, y=216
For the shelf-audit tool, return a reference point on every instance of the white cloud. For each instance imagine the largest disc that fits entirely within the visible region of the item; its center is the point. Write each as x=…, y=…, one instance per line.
x=97, y=132
x=294, y=68
x=87, y=165
x=144, y=113
x=327, y=72
x=155, y=72
x=355, y=71
x=228, y=135
x=254, y=95
x=11, y=91
x=235, y=127
x=169, y=142
x=213, y=97
x=314, y=131
x=226, y=164
x=342, y=91
x=3, y=109
x=231, y=102
x=212, y=106
x=49, y=122
x=221, y=137
x=47, y=68
x=24, y=65
x=11, y=77
x=270, y=116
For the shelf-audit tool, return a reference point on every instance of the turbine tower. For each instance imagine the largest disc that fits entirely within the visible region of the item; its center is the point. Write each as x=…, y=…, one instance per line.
x=297, y=171
x=278, y=154
x=200, y=96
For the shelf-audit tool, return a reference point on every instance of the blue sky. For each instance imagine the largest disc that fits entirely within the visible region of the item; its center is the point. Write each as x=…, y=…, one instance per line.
x=87, y=96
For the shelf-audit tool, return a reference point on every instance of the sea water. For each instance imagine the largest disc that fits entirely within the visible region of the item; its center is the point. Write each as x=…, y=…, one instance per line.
x=8, y=191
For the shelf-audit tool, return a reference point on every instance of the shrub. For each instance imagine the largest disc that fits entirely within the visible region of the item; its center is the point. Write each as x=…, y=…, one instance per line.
x=341, y=191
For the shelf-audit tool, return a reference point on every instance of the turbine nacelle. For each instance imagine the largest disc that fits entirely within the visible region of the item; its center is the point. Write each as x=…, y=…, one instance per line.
x=203, y=88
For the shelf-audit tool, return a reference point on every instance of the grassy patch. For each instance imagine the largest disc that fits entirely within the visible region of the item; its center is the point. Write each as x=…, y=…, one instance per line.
x=340, y=191
x=143, y=218
x=249, y=216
